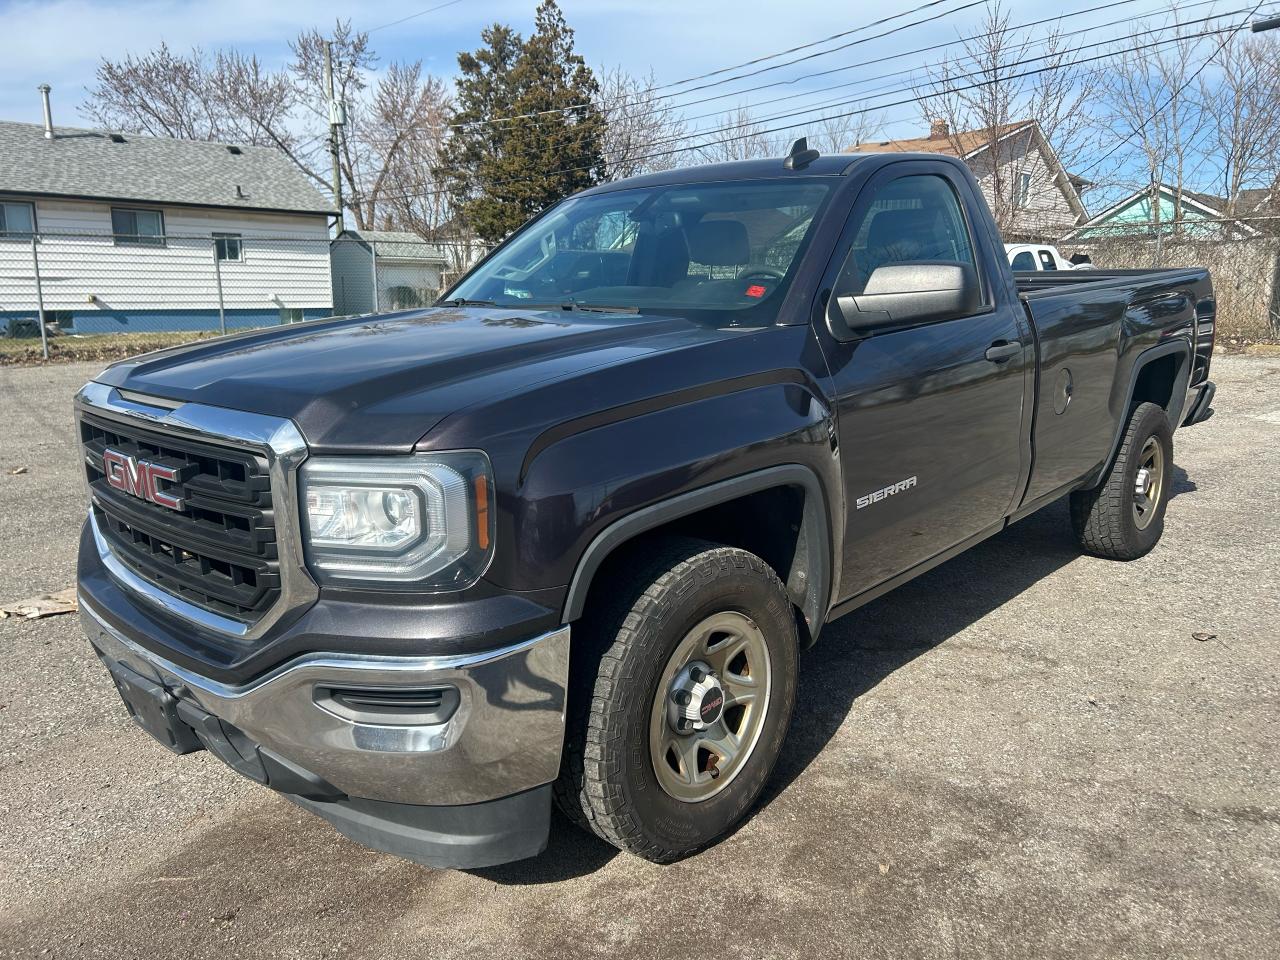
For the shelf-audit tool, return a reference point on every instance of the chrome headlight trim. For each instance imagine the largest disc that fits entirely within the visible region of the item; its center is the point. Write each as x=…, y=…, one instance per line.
x=453, y=540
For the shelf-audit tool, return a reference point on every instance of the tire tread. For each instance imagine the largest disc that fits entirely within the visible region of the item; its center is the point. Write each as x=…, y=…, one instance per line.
x=1101, y=516
x=589, y=789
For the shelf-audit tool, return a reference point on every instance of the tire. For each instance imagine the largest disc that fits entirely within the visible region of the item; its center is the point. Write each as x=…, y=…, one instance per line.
x=1109, y=520
x=629, y=647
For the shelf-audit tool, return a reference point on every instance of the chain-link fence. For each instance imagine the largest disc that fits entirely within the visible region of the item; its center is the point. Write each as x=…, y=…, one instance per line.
x=166, y=288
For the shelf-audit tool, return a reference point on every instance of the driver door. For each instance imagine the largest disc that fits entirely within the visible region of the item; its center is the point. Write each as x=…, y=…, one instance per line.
x=930, y=416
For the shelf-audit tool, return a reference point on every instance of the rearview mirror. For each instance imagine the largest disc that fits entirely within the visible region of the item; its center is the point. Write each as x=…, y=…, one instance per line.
x=900, y=294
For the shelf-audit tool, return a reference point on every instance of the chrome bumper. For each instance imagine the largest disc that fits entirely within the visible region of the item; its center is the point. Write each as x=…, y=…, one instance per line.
x=504, y=737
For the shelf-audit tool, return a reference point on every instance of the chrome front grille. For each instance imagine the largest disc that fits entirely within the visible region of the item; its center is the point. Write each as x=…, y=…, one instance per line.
x=230, y=559
x=219, y=550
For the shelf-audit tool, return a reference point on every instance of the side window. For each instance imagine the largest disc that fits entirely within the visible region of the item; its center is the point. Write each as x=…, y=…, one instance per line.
x=1023, y=195
x=137, y=228
x=1046, y=260
x=17, y=220
x=1024, y=261
x=910, y=220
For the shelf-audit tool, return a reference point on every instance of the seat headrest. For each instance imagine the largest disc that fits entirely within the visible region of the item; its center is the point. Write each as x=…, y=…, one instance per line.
x=719, y=243
x=890, y=227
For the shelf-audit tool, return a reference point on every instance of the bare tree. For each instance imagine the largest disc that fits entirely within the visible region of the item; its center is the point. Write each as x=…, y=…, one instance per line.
x=161, y=94
x=834, y=134
x=641, y=127
x=979, y=97
x=1149, y=100
x=1245, y=116
x=392, y=122
x=738, y=136
x=405, y=129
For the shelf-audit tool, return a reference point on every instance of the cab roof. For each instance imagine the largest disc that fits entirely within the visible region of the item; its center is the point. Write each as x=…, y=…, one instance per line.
x=771, y=168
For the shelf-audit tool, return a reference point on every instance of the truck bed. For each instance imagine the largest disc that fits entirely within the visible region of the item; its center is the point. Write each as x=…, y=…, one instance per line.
x=1035, y=282
x=1090, y=327
x=1049, y=292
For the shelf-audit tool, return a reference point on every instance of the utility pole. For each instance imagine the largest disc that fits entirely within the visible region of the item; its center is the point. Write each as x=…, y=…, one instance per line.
x=337, y=118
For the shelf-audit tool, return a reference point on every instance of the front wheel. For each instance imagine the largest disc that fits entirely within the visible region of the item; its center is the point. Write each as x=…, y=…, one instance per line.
x=1123, y=517
x=686, y=689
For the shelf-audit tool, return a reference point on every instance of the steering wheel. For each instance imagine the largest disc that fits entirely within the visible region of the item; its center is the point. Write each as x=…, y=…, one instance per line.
x=761, y=272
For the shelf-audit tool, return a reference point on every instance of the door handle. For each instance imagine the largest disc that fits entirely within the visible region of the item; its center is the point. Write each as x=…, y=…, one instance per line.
x=1003, y=350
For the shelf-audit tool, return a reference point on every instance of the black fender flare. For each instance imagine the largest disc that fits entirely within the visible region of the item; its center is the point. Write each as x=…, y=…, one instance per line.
x=1176, y=399
x=809, y=584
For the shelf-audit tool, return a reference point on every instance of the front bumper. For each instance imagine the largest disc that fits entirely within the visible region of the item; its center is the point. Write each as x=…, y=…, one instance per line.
x=468, y=791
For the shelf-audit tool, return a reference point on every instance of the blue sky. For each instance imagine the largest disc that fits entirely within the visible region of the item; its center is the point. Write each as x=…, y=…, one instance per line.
x=61, y=41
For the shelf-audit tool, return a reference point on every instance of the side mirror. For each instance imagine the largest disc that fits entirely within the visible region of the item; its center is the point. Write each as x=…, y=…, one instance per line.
x=901, y=294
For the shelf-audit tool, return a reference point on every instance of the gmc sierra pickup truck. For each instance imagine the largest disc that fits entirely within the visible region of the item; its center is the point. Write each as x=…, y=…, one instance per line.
x=686, y=419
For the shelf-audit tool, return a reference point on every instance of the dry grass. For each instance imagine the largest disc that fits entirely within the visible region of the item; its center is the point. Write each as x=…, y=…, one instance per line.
x=106, y=347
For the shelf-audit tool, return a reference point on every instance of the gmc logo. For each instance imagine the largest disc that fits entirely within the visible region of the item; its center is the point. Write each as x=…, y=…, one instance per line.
x=141, y=478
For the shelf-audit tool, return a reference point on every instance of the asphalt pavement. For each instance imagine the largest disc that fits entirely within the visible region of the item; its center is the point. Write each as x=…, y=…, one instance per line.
x=1025, y=753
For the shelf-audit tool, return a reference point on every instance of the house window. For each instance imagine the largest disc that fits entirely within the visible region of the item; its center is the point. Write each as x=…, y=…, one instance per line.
x=290, y=315
x=1022, y=196
x=17, y=220
x=228, y=246
x=137, y=228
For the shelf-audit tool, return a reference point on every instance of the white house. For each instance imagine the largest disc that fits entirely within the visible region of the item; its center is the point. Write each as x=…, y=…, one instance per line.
x=1037, y=199
x=125, y=232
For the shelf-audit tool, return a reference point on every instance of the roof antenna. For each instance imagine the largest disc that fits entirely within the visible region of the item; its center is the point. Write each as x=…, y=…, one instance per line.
x=800, y=156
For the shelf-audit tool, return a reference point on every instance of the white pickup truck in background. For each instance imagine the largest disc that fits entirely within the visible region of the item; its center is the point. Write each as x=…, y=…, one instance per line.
x=1040, y=256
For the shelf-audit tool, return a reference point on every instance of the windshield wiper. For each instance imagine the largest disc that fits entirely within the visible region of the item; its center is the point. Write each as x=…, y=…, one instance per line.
x=596, y=307
x=464, y=302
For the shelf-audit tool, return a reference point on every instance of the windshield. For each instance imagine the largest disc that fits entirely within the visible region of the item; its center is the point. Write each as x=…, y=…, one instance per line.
x=696, y=246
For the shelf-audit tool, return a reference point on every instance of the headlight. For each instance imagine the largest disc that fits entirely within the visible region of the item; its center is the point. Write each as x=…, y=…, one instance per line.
x=425, y=519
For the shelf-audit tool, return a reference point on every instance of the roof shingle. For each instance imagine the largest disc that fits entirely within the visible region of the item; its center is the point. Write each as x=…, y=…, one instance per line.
x=97, y=164
x=955, y=145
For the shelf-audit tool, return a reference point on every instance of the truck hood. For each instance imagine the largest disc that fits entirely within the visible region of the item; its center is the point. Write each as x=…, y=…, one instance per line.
x=378, y=384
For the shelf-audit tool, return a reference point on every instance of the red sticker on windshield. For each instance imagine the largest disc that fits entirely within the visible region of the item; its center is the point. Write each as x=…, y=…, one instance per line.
x=755, y=290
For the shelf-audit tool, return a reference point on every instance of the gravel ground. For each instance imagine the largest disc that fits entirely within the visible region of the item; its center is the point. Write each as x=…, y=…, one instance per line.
x=1024, y=753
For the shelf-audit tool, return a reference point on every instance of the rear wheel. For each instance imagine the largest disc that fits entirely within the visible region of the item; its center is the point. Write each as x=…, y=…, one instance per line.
x=683, y=697
x=1123, y=517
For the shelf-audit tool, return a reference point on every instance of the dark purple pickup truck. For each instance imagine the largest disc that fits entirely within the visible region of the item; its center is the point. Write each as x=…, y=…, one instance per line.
x=686, y=419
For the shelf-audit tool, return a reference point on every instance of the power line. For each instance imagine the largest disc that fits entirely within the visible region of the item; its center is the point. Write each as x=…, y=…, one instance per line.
x=1048, y=56
x=978, y=73
x=806, y=46
x=931, y=95
x=926, y=49
x=588, y=103
x=857, y=112
x=412, y=16
x=1142, y=126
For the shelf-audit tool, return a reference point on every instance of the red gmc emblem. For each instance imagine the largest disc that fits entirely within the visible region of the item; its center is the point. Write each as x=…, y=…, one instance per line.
x=140, y=478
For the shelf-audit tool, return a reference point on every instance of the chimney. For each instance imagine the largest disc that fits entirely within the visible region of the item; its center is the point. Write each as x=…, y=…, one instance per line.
x=939, y=130
x=44, y=89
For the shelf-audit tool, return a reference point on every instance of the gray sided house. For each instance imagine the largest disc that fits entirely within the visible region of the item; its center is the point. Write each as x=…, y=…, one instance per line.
x=133, y=233
x=379, y=270
x=1032, y=196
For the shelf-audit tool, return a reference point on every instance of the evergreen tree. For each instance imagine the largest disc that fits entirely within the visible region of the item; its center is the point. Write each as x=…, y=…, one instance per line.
x=500, y=174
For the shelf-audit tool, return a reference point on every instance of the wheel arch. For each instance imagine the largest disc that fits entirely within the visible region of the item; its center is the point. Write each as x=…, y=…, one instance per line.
x=1159, y=375
x=805, y=555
